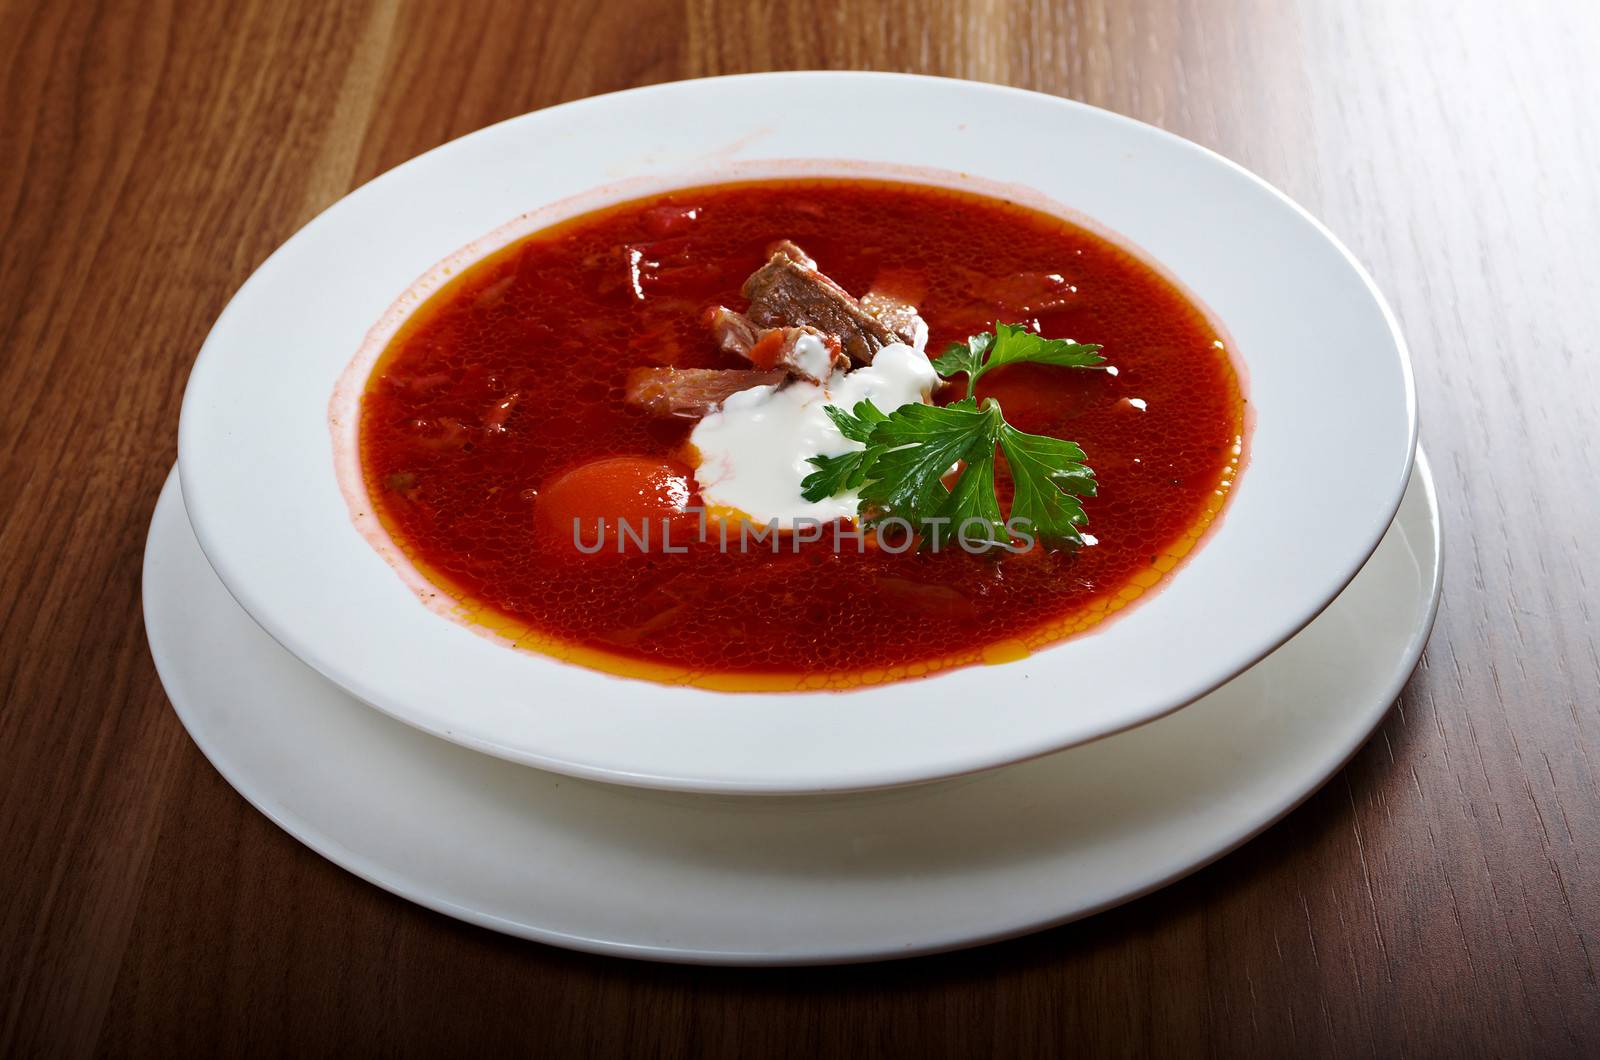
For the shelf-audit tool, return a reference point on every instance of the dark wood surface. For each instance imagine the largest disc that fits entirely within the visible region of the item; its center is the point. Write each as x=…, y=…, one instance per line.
x=1440, y=896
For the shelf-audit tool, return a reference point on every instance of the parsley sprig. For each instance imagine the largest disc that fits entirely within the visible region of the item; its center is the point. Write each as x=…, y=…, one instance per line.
x=907, y=453
x=1012, y=344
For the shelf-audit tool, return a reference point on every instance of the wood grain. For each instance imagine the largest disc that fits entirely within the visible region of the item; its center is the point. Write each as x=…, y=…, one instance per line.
x=1433, y=899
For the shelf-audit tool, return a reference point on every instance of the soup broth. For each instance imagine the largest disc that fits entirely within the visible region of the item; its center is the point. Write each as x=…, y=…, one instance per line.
x=505, y=393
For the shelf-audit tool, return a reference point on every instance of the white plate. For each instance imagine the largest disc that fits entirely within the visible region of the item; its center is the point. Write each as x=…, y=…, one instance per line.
x=786, y=880
x=1328, y=377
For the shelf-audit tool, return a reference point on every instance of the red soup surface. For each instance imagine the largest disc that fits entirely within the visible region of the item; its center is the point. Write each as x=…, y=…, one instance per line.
x=497, y=413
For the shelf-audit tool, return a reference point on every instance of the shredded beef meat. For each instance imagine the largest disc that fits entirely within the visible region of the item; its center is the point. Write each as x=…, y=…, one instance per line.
x=789, y=301
x=785, y=293
x=768, y=348
x=899, y=316
x=792, y=251
x=733, y=331
x=691, y=392
x=779, y=348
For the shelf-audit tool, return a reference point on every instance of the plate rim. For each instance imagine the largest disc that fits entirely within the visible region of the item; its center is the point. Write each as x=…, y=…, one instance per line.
x=369, y=870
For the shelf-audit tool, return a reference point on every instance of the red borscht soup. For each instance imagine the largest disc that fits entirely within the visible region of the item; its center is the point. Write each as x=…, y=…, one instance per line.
x=584, y=374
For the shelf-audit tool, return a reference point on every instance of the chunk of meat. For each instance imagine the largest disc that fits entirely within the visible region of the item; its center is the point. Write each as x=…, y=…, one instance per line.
x=802, y=352
x=691, y=392
x=786, y=348
x=899, y=316
x=791, y=250
x=733, y=331
x=785, y=293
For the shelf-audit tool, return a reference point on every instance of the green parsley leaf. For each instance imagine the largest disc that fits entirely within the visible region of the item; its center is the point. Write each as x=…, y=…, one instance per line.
x=921, y=443
x=973, y=501
x=1048, y=477
x=908, y=452
x=835, y=474
x=1012, y=344
x=855, y=427
x=964, y=357
x=847, y=471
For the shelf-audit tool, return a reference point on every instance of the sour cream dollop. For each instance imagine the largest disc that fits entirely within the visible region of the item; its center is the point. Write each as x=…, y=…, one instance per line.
x=754, y=452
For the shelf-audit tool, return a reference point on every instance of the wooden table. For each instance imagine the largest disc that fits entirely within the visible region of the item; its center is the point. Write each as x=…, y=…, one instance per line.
x=1434, y=897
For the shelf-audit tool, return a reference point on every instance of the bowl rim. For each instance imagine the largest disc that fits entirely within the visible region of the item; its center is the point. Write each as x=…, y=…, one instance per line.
x=198, y=471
